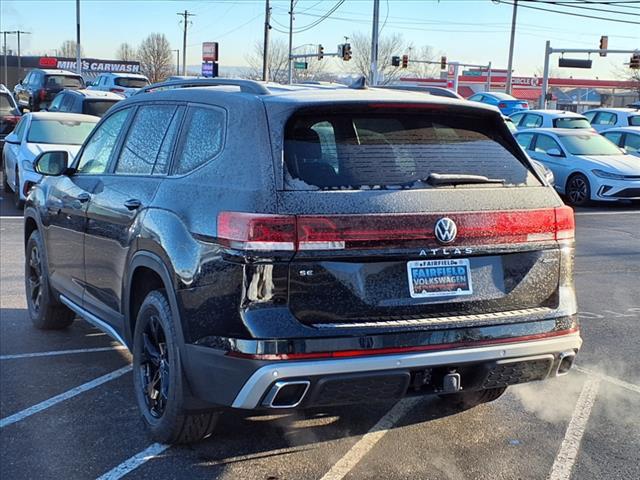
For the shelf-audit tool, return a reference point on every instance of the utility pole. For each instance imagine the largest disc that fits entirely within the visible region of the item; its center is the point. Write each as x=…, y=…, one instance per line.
x=78, y=59
x=513, y=38
x=290, y=76
x=185, y=15
x=177, y=50
x=265, y=48
x=374, y=42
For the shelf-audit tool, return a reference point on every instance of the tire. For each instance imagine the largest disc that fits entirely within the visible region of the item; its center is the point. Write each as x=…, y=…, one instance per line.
x=578, y=190
x=466, y=400
x=17, y=201
x=158, y=380
x=45, y=312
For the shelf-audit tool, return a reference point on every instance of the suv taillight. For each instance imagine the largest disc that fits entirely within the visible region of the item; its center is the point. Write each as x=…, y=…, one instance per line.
x=10, y=118
x=502, y=105
x=263, y=232
x=42, y=94
x=117, y=90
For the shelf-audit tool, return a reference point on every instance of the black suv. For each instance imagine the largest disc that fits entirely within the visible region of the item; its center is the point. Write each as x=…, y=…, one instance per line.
x=38, y=88
x=275, y=247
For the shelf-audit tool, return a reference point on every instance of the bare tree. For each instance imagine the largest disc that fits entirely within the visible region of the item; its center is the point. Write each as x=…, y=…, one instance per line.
x=278, y=64
x=155, y=56
x=388, y=46
x=126, y=52
x=629, y=75
x=68, y=49
x=423, y=70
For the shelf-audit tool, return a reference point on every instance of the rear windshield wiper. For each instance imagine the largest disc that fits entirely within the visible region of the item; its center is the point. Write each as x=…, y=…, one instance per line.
x=459, y=179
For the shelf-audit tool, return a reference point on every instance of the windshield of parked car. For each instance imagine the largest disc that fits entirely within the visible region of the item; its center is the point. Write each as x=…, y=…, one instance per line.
x=97, y=108
x=592, y=144
x=397, y=149
x=571, y=122
x=63, y=132
x=63, y=81
x=129, y=82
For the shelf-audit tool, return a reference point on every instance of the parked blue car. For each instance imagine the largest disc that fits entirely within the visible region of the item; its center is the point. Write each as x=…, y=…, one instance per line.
x=507, y=104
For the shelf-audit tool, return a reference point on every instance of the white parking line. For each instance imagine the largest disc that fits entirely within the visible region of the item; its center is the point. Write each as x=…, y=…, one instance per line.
x=152, y=451
x=27, y=412
x=10, y=217
x=609, y=379
x=566, y=458
x=624, y=212
x=368, y=441
x=61, y=352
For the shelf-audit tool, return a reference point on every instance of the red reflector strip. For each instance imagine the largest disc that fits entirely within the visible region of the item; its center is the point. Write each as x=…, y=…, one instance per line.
x=395, y=350
x=336, y=232
x=414, y=106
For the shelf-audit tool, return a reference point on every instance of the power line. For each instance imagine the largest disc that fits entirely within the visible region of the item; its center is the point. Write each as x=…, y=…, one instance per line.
x=531, y=7
x=582, y=7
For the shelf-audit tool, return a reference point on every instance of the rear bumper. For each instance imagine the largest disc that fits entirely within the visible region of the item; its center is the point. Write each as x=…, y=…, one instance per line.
x=246, y=383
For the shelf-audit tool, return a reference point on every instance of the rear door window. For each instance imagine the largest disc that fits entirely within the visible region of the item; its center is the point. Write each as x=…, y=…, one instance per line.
x=605, y=118
x=517, y=117
x=524, y=139
x=613, y=136
x=57, y=102
x=203, y=138
x=396, y=149
x=634, y=120
x=532, y=121
x=142, y=152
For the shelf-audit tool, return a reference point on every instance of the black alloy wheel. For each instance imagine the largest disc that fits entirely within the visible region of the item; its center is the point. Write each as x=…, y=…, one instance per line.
x=154, y=367
x=34, y=279
x=578, y=190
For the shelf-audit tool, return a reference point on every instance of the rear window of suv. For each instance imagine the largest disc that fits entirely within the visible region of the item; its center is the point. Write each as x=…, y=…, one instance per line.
x=131, y=82
x=571, y=122
x=396, y=149
x=64, y=81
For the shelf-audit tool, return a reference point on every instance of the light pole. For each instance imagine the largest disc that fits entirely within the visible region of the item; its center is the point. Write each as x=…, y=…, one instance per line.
x=78, y=59
x=265, y=48
x=374, y=42
x=513, y=38
x=290, y=75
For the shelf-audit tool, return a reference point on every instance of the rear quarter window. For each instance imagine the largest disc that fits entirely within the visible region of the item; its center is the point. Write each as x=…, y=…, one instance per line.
x=203, y=135
x=394, y=149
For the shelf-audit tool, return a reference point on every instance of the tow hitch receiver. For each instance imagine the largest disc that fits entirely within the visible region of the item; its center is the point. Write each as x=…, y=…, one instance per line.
x=451, y=382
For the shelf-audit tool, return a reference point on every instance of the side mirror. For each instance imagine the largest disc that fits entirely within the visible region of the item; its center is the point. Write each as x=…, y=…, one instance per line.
x=12, y=138
x=53, y=163
x=554, y=152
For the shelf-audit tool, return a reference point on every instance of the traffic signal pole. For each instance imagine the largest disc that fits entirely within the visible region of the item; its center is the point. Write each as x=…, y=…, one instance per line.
x=548, y=51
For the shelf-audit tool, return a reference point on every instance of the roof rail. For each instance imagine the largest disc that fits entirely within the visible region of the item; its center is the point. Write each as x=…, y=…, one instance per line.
x=246, y=86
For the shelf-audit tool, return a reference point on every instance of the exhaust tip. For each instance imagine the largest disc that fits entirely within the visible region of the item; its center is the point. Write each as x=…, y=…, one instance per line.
x=286, y=394
x=565, y=363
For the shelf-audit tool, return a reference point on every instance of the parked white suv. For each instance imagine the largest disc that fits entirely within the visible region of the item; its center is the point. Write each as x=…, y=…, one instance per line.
x=605, y=118
x=549, y=119
x=125, y=84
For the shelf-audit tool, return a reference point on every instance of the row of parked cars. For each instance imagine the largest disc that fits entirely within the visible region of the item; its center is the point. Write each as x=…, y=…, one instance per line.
x=62, y=111
x=593, y=156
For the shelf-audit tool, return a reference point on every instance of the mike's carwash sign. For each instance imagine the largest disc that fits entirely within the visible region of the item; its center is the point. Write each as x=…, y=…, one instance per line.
x=90, y=65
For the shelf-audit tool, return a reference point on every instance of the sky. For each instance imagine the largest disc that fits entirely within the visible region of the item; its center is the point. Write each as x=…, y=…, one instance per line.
x=472, y=31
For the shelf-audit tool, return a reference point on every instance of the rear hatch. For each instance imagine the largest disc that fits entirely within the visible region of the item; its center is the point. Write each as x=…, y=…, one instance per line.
x=408, y=212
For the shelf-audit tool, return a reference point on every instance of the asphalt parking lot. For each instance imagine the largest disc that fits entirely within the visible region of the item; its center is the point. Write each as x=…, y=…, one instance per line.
x=67, y=408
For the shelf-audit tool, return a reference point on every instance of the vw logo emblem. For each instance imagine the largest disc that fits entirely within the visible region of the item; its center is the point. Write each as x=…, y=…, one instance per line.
x=446, y=230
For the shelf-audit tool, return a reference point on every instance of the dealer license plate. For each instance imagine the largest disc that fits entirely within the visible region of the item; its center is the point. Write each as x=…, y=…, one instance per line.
x=439, y=278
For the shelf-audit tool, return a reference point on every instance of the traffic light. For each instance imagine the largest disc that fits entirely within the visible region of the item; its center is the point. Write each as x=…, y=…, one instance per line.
x=395, y=61
x=635, y=61
x=346, y=52
x=604, y=44
x=405, y=61
x=443, y=63
x=320, y=52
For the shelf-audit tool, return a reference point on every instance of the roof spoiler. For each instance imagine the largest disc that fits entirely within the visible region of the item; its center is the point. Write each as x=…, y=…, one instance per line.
x=246, y=86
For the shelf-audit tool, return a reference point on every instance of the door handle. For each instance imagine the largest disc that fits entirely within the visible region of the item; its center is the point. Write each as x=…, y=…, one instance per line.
x=133, y=204
x=83, y=197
